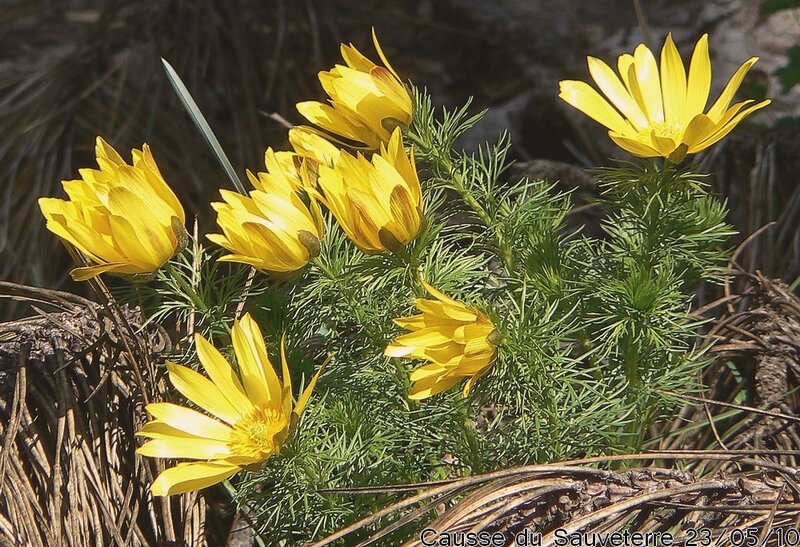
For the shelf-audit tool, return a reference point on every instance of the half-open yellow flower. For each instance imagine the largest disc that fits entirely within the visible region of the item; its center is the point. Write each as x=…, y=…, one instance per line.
x=458, y=342
x=271, y=228
x=660, y=111
x=302, y=165
x=124, y=218
x=367, y=101
x=252, y=413
x=308, y=143
x=377, y=202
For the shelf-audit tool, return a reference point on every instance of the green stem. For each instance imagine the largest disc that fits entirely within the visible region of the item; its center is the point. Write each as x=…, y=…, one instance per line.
x=647, y=260
x=348, y=298
x=444, y=164
x=186, y=288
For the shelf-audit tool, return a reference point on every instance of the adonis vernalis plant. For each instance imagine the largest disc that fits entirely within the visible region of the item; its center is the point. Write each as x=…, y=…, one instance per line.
x=571, y=340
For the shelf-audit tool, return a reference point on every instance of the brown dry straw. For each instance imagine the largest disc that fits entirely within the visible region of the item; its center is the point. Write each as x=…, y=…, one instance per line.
x=69, y=407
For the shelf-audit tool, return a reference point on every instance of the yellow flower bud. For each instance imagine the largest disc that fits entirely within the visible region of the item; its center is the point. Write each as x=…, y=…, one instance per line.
x=123, y=218
x=457, y=341
x=377, y=203
x=367, y=101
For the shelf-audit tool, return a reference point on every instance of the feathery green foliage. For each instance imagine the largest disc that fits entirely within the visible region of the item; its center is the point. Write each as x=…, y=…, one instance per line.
x=591, y=330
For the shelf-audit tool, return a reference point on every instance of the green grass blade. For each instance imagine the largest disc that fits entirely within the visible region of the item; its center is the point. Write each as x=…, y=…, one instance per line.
x=200, y=121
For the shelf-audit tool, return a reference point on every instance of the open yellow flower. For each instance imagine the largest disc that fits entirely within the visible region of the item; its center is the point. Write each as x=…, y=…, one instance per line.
x=378, y=203
x=271, y=229
x=124, y=218
x=367, y=101
x=252, y=413
x=661, y=111
x=459, y=342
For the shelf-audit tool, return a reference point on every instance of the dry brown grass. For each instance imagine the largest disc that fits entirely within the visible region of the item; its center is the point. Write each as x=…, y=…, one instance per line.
x=74, y=378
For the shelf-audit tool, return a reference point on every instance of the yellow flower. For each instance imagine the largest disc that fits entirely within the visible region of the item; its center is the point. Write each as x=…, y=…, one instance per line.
x=660, y=113
x=367, y=101
x=378, y=203
x=271, y=229
x=308, y=143
x=122, y=217
x=302, y=165
x=252, y=414
x=459, y=342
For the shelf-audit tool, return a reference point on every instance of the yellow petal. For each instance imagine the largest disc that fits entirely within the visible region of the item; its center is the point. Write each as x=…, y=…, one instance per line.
x=190, y=421
x=728, y=126
x=222, y=375
x=648, y=81
x=105, y=151
x=423, y=320
x=438, y=308
x=287, y=377
x=63, y=221
x=404, y=164
x=157, y=181
x=302, y=401
x=634, y=146
x=673, y=81
x=396, y=350
x=664, y=145
x=431, y=386
x=187, y=477
x=439, y=295
x=627, y=67
x=699, y=83
x=307, y=142
x=326, y=117
x=177, y=447
x=354, y=58
x=721, y=104
x=156, y=429
x=583, y=97
x=479, y=347
x=203, y=392
x=471, y=381
x=432, y=336
x=700, y=128
x=613, y=88
x=426, y=371
x=136, y=251
x=258, y=377
x=381, y=55
x=87, y=272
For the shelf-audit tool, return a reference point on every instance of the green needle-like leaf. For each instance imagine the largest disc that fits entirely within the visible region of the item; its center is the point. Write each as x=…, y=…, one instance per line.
x=200, y=121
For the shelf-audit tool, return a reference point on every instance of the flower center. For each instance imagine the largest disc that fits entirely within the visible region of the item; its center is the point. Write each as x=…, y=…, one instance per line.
x=260, y=433
x=672, y=130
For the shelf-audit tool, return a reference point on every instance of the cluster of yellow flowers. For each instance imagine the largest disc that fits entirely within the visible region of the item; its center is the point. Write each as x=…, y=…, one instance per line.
x=125, y=220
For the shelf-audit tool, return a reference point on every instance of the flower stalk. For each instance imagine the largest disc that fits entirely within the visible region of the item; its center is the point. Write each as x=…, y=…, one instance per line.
x=445, y=167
